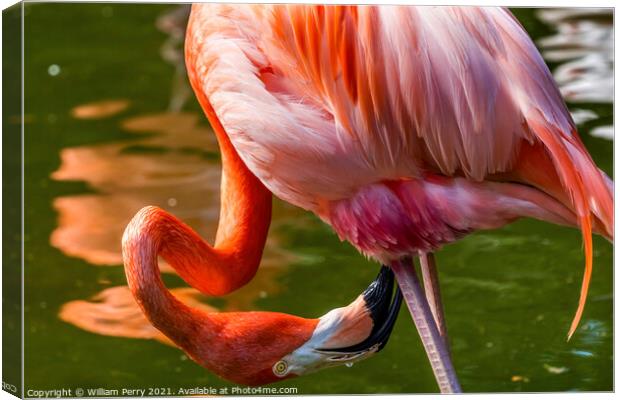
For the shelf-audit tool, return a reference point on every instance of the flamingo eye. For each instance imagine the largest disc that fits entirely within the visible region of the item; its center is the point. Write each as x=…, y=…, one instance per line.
x=280, y=368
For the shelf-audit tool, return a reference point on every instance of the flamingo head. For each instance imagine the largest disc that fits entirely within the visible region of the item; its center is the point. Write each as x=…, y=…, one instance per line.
x=349, y=334
x=256, y=348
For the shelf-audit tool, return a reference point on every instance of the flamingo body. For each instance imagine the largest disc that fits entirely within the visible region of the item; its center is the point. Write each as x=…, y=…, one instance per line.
x=322, y=101
x=394, y=219
x=346, y=111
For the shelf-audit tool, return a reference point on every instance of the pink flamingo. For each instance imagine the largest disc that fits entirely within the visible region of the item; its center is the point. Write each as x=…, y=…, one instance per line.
x=403, y=128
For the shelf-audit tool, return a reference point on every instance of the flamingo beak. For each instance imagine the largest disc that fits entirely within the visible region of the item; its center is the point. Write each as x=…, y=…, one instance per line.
x=348, y=334
x=383, y=309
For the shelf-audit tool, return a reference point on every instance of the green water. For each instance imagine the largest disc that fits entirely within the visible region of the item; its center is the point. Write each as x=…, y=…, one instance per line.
x=509, y=294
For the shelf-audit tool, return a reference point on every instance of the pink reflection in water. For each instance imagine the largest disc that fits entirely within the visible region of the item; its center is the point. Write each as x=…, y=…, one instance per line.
x=173, y=163
x=186, y=184
x=113, y=312
x=99, y=109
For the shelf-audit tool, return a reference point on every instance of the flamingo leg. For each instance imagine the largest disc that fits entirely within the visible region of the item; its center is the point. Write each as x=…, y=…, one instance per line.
x=433, y=343
x=433, y=295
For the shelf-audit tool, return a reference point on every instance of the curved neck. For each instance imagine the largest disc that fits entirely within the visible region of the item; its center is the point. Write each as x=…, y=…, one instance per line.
x=150, y=231
x=245, y=210
x=245, y=213
x=214, y=270
x=220, y=342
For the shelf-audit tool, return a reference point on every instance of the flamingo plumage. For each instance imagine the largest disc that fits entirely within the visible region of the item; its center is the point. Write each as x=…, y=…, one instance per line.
x=403, y=128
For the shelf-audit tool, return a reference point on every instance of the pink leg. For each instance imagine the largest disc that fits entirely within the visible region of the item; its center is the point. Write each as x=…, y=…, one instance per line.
x=434, y=344
x=433, y=295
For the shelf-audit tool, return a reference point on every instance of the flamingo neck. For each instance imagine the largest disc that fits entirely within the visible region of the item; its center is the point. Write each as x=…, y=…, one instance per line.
x=245, y=213
x=214, y=270
x=245, y=210
x=219, y=342
x=150, y=231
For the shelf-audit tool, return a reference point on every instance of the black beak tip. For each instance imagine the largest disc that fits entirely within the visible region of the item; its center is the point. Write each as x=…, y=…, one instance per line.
x=379, y=294
x=383, y=309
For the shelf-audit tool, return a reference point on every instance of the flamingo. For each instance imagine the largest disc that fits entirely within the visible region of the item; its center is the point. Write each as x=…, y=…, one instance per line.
x=402, y=128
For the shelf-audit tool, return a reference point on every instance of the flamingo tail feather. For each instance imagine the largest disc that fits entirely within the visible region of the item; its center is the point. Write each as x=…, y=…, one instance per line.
x=588, y=190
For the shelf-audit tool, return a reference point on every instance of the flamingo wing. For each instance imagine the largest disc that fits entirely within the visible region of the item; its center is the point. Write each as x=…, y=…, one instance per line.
x=321, y=100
